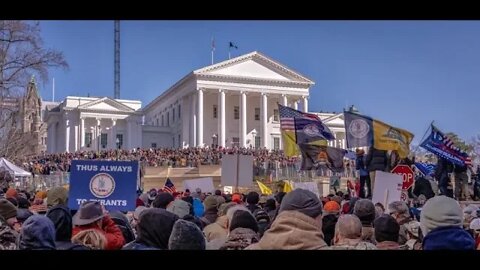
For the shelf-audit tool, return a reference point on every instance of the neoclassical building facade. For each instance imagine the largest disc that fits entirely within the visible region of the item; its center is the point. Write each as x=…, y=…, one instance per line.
x=231, y=103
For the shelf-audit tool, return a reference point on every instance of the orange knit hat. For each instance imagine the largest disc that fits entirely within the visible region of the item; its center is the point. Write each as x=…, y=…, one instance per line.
x=331, y=207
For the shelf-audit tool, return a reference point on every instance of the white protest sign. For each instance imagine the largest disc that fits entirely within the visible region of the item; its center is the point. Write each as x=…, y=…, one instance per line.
x=205, y=184
x=312, y=186
x=234, y=166
x=387, y=189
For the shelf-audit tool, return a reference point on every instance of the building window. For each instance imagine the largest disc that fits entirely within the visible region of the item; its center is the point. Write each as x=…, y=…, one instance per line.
x=173, y=142
x=119, y=141
x=214, y=111
x=179, y=141
x=236, y=112
x=154, y=145
x=179, y=111
x=88, y=139
x=103, y=140
x=276, y=143
x=257, y=142
x=157, y=121
x=257, y=114
x=168, y=119
x=275, y=115
x=163, y=122
x=235, y=141
x=173, y=115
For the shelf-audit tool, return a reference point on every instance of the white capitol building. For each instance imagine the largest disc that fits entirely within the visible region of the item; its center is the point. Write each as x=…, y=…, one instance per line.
x=233, y=102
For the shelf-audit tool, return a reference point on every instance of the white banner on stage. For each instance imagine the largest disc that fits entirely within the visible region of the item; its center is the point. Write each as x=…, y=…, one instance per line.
x=312, y=186
x=205, y=184
x=237, y=166
x=387, y=189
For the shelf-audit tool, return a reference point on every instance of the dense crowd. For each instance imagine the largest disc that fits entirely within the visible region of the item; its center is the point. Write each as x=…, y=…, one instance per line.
x=297, y=220
x=187, y=157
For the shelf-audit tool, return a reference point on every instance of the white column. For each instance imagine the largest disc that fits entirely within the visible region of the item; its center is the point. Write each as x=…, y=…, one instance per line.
x=193, y=121
x=284, y=100
x=113, y=136
x=200, y=118
x=67, y=135
x=98, y=135
x=82, y=132
x=243, y=119
x=264, y=115
x=344, y=144
x=221, y=118
x=76, y=137
x=305, y=104
x=295, y=105
x=335, y=141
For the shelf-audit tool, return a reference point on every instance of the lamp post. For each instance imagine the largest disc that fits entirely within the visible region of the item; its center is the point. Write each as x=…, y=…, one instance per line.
x=214, y=143
x=254, y=134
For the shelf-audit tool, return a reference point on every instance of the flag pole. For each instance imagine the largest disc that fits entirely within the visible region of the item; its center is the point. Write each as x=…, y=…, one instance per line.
x=213, y=48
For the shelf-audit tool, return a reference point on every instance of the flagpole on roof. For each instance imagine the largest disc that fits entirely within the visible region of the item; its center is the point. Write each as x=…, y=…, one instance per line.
x=213, y=47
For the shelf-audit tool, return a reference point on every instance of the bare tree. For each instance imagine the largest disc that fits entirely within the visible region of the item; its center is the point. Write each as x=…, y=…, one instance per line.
x=22, y=55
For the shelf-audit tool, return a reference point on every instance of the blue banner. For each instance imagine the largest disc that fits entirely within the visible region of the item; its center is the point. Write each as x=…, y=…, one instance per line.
x=425, y=168
x=112, y=183
x=442, y=146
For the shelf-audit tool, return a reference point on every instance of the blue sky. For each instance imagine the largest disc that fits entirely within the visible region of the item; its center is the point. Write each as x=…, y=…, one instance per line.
x=405, y=73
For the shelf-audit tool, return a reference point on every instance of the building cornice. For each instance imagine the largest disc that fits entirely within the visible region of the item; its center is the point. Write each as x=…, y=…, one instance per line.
x=251, y=80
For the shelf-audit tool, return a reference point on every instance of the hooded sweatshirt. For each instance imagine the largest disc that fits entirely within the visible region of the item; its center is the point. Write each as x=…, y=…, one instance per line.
x=38, y=233
x=292, y=230
x=448, y=238
x=154, y=229
x=62, y=220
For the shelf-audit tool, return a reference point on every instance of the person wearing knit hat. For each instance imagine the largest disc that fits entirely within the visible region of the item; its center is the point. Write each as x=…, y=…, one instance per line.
x=243, y=230
x=37, y=233
x=162, y=200
x=252, y=201
x=364, y=209
x=11, y=193
x=441, y=222
x=179, y=207
x=186, y=236
x=331, y=211
x=298, y=224
x=211, y=210
x=387, y=232
x=57, y=196
x=9, y=212
x=237, y=198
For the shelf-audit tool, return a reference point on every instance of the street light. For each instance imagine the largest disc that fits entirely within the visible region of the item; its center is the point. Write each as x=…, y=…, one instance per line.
x=214, y=136
x=99, y=137
x=118, y=143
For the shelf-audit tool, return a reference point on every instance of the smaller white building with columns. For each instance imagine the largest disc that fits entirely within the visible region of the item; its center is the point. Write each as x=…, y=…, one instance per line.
x=92, y=123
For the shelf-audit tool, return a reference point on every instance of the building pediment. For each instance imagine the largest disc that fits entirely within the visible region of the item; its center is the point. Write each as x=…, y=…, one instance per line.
x=255, y=66
x=105, y=104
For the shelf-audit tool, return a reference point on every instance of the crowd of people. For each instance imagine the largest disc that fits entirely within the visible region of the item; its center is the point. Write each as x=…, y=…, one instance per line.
x=297, y=220
x=186, y=157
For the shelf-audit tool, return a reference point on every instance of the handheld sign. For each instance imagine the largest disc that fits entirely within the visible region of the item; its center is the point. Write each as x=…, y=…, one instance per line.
x=408, y=179
x=112, y=183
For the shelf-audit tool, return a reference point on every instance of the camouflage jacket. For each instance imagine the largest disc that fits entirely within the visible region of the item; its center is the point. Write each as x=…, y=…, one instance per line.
x=8, y=237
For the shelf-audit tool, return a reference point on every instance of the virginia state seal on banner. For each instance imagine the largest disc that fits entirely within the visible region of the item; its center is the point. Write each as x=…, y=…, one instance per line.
x=359, y=128
x=311, y=130
x=102, y=185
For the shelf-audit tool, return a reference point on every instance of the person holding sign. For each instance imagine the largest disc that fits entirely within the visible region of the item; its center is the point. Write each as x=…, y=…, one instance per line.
x=92, y=215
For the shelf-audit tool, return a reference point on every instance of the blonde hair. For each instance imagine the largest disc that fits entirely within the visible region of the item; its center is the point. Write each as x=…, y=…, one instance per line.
x=91, y=238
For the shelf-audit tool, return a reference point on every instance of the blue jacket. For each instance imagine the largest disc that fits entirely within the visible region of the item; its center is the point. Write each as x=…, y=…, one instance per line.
x=361, y=166
x=448, y=238
x=198, y=208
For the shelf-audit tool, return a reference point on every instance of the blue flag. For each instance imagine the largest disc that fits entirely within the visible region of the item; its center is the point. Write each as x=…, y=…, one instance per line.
x=442, y=146
x=426, y=169
x=359, y=130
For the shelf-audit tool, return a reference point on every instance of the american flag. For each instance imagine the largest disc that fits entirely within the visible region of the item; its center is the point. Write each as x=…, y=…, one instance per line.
x=289, y=115
x=450, y=144
x=169, y=186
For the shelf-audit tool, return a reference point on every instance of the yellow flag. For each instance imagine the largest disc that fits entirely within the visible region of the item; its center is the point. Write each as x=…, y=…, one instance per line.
x=264, y=189
x=287, y=187
x=386, y=137
x=290, y=147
